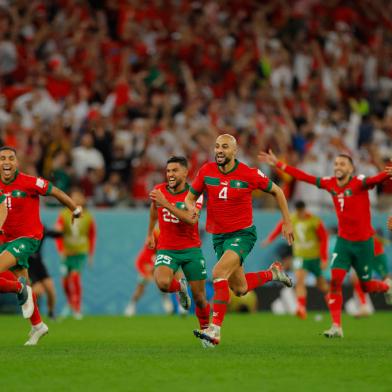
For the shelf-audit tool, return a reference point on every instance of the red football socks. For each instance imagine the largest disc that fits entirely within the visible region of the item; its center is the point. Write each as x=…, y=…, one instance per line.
x=9, y=285
x=220, y=301
x=360, y=293
x=374, y=286
x=76, y=291
x=335, y=298
x=174, y=286
x=301, y=301
x=203, y=315
x=35, y=317
x=256, y=279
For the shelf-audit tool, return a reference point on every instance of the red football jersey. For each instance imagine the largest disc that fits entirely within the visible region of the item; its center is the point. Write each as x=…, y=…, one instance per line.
x=229, y=195
x=352, y=207
x=174, y=234
x=22, y=199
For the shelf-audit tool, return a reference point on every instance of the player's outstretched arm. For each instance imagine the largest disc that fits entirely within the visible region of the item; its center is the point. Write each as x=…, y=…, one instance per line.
x=150, y=241
x=271, y=159
x=287, y=227
x=64, y=199
x=369, y=182
x=183, y=215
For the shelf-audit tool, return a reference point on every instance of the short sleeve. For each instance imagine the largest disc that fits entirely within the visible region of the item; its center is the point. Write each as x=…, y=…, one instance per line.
x=199, y=202
x=197, y=186
x=41, y=186
x=261, y=181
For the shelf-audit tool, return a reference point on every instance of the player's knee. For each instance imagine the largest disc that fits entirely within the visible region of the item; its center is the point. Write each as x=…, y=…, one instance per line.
x=239, y=291
x=163, y=283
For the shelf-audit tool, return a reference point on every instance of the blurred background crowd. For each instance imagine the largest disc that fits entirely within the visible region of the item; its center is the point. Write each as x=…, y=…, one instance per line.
x=100, y=93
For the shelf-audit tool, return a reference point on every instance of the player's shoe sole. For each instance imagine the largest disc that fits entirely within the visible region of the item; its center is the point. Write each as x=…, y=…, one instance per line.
x=279, y=275
x=25, y=299
x=185, y=299
x=204, y=335
x=36, y=334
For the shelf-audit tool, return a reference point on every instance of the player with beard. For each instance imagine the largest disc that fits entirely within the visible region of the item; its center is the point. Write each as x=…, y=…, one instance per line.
x=23, y=231
x=355, y=245
x=228, y=185
x=179, y=242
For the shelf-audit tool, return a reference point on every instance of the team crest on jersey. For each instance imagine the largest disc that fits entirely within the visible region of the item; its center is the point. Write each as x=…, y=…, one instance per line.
x=40, y=183
x=348, y=192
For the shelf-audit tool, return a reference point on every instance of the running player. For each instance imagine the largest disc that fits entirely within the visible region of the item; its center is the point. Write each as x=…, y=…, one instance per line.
x=310, y=251
x=75, y=246
x=22, y=229
x=354, y=246
x=144, y=265
x=228, y=185
x=179, y=242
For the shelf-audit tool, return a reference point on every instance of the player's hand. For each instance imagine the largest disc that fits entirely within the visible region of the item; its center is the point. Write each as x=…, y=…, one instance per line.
x=268, y=157
x=150, y=241
x=158, y=197
x=77, y=213
x=288, y=232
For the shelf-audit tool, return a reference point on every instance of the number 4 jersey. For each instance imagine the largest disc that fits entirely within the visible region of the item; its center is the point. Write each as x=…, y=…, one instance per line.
x=174, y=234
x=229, y=195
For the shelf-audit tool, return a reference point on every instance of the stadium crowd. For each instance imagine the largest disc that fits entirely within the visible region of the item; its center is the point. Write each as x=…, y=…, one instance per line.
x=101, y=93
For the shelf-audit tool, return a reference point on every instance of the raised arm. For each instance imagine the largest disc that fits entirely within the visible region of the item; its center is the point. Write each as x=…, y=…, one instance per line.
x=369, y=182
x=64, y=199
x=271, y=159
x=287, y=227
x=183, y=215
x=150, y=241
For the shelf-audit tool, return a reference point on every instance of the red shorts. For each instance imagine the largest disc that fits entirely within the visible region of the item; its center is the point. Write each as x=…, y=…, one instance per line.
x=145, y=262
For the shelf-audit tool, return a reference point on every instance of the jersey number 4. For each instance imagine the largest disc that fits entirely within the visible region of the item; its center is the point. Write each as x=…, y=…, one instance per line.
x=169, y=217
x=223, y=193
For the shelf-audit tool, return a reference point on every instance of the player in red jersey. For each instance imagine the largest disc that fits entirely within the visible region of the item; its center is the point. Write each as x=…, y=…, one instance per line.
x=228, y=185
x=179, y=242
x=354, y=246
x=23, y=231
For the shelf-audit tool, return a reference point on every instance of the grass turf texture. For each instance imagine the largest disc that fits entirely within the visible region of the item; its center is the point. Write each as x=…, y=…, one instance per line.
x=258, y=352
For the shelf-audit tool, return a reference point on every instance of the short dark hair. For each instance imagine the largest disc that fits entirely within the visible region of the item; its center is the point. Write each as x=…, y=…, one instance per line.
x=8, y=148
x=178, y=159
x=342, y=155
x=300, y=205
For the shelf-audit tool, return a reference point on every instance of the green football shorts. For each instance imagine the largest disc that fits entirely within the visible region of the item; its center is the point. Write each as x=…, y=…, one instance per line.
x=356, y=254
x=22, y=249
x=190, y=260
x=74, y=263
x=310, y=265
x=380, y=265
x=240, y=242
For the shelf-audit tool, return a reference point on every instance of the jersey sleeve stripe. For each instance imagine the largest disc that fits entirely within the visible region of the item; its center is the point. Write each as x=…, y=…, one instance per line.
x=2, y=198
x=194, y=191
x=318, y=182
x=49, y=190
x=269, y=186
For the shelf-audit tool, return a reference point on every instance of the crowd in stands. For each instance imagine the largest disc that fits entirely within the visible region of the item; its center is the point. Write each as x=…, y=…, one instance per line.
x=100, y=94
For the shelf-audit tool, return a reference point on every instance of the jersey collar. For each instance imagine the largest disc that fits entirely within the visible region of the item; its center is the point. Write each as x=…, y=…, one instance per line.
x=178, y=193
x=236, y=163
x=12, y=180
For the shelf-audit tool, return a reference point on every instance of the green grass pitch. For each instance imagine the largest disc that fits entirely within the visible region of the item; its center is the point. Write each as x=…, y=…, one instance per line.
x=259, y=352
